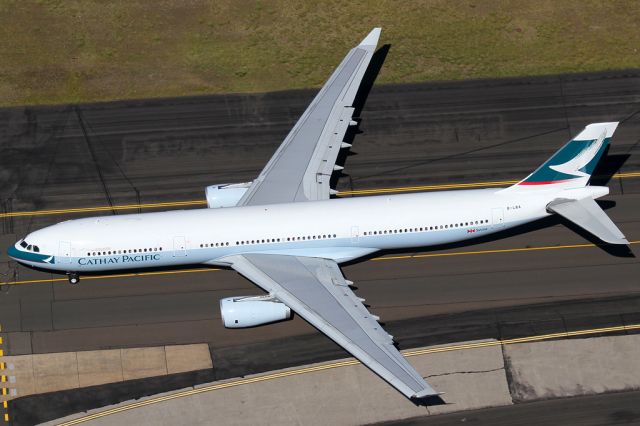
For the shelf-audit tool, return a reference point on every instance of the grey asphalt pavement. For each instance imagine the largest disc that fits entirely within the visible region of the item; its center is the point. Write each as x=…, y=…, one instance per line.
x=422, y=134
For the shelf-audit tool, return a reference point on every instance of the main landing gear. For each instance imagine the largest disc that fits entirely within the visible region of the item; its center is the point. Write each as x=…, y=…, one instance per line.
x=74, y=278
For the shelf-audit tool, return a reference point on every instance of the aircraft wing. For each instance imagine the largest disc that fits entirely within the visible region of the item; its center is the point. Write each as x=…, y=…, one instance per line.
x=316, y=290
x=301, y=168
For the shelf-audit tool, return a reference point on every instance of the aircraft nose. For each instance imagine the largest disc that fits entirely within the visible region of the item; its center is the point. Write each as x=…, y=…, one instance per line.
x=13, y=252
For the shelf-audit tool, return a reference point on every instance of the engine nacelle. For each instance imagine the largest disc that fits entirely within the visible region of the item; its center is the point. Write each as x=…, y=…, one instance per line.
x=250, y=311
x=225, y=194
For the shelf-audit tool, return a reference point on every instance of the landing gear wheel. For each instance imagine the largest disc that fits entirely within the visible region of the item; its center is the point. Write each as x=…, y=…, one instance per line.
x=74, y=278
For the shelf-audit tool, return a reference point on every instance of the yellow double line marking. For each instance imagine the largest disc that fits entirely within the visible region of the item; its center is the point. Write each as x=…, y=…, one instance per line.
x=106, y=208
x=409, y=256
x=340, y=194
x=346, y=363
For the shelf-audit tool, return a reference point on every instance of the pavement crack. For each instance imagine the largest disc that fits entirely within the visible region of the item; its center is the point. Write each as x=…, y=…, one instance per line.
x=464, y=372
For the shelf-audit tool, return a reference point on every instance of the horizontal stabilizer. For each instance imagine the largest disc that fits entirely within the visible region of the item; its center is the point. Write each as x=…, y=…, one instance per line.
x=588, y=215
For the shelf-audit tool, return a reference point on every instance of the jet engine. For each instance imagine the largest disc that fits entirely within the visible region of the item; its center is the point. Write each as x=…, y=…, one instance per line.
x=251, y=311
x=225, y=194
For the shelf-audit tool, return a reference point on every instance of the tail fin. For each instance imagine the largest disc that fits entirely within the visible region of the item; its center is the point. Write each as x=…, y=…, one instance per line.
x=572, y=165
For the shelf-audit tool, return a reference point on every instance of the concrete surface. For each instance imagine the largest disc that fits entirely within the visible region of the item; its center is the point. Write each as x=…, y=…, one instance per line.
x=340, y=396
x=593, y=410
x=143, y=362
x=98, y=367
x=471, y=379
x=181, y=358
x=253, y=358
x=52, y=372
x=573, y=367
x=42, y=373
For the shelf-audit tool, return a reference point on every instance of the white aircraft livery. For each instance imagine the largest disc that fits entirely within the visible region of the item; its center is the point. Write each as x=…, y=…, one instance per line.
x=283, y=231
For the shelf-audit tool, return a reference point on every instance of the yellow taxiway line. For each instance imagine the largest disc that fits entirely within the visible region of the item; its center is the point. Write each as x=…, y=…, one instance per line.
x=338, y=364
x=405, y=257
x=340, y=194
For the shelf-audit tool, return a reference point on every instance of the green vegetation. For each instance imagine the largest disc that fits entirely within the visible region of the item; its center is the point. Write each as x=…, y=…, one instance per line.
x=55, y=51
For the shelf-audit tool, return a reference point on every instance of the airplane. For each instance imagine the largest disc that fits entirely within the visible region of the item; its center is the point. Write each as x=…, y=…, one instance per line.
x=284, y=232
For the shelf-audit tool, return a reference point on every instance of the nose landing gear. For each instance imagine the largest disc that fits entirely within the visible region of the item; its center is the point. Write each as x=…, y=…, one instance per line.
x=74, y=278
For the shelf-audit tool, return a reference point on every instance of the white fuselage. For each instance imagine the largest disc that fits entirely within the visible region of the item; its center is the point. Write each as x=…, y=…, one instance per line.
x=339, y=229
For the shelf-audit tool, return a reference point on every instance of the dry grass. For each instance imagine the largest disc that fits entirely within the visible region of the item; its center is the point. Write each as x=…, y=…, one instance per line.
x=55, y=51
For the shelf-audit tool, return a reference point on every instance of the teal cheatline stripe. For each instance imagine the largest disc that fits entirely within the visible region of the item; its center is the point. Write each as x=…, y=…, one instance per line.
x=30, y=257
x=545, y=174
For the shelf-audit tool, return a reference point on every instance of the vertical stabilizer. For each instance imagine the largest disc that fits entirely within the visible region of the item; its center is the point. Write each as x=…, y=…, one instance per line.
x=572, y=165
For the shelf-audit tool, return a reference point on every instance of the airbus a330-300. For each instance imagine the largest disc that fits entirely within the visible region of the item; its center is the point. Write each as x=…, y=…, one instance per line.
x=285, y=233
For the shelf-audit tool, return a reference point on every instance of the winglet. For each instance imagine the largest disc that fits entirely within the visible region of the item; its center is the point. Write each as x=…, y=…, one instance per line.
x=372, y=38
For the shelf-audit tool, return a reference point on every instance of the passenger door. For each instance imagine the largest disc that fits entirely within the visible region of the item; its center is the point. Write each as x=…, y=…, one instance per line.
x=179, y=247
x=64, y=252
x=497, y=218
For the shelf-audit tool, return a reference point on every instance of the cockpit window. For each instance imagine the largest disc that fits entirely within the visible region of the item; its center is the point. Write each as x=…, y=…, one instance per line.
x=23, y=244
x=36, y=249
x=29, y=247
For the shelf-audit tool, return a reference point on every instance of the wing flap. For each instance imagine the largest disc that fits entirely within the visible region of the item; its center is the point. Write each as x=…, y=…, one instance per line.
x=316, y=290
x=316, y=183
